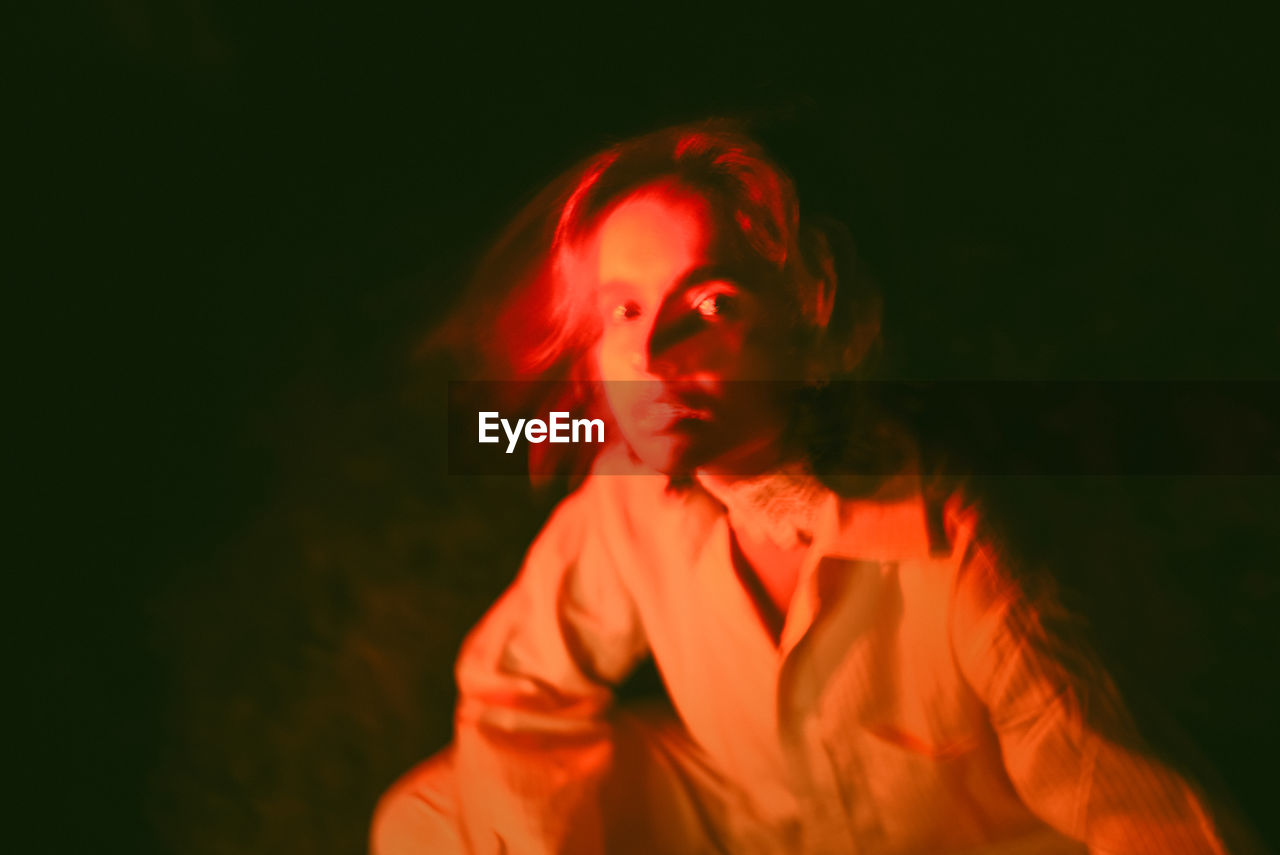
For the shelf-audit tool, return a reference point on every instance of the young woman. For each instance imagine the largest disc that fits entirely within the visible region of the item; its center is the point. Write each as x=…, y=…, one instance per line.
x=852, y=667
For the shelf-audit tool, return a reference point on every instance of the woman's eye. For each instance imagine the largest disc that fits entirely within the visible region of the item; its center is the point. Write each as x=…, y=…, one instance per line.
x=626, y=311
x=715, y=305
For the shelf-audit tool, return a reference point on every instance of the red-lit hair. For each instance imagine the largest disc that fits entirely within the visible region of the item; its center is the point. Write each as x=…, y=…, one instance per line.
x=542, y=331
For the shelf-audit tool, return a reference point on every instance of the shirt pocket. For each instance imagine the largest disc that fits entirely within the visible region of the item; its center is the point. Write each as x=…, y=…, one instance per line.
x=920, y=783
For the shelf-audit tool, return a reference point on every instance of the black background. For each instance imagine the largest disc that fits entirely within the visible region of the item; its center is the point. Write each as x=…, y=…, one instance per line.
x=235, y=221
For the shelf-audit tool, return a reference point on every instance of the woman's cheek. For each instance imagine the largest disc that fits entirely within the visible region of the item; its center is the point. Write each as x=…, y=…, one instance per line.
x=726, y=351
x=610, y=363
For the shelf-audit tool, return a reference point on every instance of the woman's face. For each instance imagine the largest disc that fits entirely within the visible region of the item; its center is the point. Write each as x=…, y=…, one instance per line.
x=691, y=345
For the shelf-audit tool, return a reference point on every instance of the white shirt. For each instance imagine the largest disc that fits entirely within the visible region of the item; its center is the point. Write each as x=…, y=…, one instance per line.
x=914, y=704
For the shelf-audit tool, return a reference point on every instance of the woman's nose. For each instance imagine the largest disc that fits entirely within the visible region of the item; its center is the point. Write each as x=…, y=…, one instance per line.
x=662, y=345
x=655, y=361
x=645, y=363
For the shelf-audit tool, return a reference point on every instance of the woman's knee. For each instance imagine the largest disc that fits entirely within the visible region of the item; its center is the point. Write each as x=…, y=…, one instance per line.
x=419, y=812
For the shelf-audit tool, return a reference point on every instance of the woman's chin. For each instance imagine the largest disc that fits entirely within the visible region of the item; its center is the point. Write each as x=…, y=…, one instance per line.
x=697, y=446
x=673, y=453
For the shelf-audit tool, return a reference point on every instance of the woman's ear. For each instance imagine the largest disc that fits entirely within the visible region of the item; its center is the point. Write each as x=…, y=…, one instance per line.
x=824, y=301
x=820, y=291
x=844, y=298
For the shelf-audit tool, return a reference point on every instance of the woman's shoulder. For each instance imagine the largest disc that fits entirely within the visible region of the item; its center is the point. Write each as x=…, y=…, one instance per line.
x=627, y=500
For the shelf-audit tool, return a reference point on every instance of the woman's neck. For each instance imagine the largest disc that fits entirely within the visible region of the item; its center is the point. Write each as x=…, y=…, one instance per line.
x=772, y=518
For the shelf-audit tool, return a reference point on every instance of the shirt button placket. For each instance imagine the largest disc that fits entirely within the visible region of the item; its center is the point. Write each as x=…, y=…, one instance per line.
x=824, y=826
x=834, y=831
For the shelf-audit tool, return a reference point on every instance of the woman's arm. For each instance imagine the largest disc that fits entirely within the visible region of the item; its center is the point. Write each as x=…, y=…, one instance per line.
x=535, y=680
x=1067, y=743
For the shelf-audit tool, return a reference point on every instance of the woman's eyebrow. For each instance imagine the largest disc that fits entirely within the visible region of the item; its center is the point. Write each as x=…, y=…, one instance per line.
x=613, y=288
x=710, y=273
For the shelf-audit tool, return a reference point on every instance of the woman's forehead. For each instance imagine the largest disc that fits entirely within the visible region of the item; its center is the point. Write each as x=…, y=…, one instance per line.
x=655, y=236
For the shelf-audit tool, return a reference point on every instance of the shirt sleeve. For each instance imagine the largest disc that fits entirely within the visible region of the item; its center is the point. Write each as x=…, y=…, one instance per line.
x=535, y=678
x=1068, y=746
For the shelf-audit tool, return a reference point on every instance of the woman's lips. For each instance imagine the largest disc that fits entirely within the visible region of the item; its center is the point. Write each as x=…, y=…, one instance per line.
x=661, y=416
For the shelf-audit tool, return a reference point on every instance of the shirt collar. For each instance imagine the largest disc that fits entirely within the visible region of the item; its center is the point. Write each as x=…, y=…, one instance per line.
x=785, y=503
x=891, y=524
x=791, y=505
